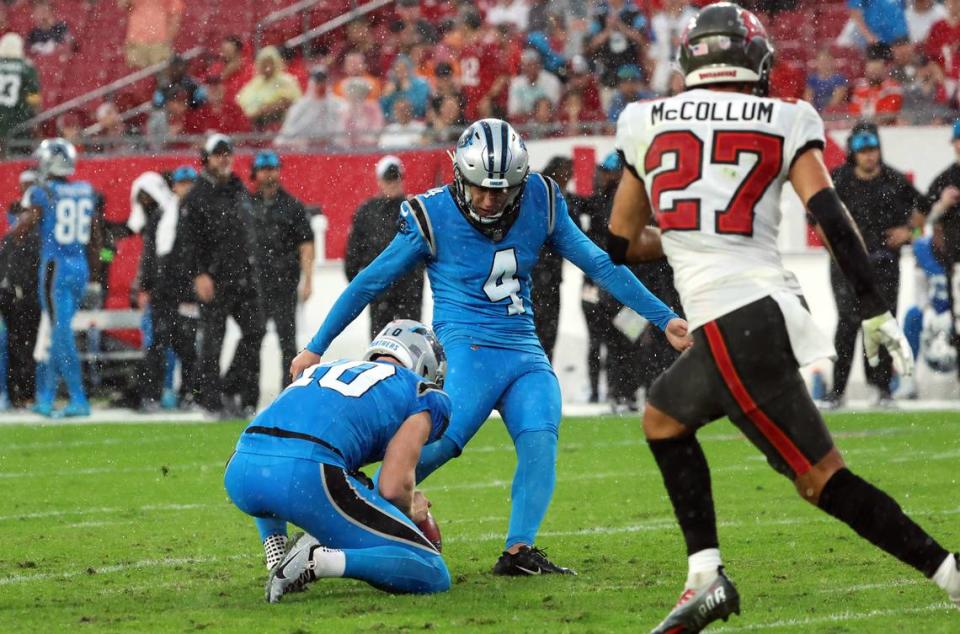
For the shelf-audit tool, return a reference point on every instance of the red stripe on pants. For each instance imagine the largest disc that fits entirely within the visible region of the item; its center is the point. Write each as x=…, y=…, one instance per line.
x=784, y=446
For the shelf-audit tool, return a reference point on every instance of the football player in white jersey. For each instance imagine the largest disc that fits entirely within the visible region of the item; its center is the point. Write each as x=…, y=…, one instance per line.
x=711, y=163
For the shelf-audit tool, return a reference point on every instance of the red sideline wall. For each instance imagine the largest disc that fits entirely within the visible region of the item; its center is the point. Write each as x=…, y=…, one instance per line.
x=338, y=183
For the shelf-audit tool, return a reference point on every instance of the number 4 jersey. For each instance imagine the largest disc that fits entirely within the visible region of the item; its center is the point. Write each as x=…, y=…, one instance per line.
x=67, y=216
x=713, y=164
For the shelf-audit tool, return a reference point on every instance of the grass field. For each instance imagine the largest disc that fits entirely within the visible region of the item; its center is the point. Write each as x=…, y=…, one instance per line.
x=127, y=527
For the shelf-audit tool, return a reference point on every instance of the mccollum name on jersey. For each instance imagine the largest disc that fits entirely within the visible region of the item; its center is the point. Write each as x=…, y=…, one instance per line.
x=761, y=111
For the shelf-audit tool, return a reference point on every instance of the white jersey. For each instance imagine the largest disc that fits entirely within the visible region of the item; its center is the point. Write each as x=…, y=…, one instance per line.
x=713, y=164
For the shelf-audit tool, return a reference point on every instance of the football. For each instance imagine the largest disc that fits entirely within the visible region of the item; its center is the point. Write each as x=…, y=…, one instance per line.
x=431, y=531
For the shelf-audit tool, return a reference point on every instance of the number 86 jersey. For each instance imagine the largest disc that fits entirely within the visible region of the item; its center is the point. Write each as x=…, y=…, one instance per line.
x=713, y=165
x=67, y=217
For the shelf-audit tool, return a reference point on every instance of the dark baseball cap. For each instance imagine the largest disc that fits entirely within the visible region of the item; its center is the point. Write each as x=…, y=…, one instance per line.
x=218, y=144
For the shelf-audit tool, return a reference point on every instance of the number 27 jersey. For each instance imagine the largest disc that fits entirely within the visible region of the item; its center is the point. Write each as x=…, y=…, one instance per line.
x=713, y=165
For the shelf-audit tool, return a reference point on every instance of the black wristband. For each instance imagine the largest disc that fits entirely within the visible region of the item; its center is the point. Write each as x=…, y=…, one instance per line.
x=848, y=249
x=617, y=248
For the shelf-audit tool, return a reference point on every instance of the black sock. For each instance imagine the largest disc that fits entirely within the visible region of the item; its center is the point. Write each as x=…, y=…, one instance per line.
x=687, y=478
x=876, y=517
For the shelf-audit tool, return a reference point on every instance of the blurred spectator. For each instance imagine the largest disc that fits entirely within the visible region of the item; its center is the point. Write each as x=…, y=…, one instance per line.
x=542, y=122
x=880, y=21
x=447, y=122
x=70, y=127
x=19, y=87
x=47, y=33
x=903, y=56
x=108, y=118
x=408, y=11
x=174, y=79
x=20, y=300
x=582, y=81
x=266, y=98
x=374, y=227
x=285, y=254
x=360, y=40
x=233, y=68
x=170, y=121
x=572, y=115
x=826, y=88
x=364, y=119
x=925, y=97
x=403, y=84
x=218, y=114
x=532, y=83
x=318, y=116
x=445, y=84
x=483, y=76
x=355, y=71
x=630, y=88
x=943, y=45
x=921, y=16
x=546, y=40
x=667, y=27
x=875, y=95
x=616, y=39
x=405, y=131
x=508, y=12
x=152, y=26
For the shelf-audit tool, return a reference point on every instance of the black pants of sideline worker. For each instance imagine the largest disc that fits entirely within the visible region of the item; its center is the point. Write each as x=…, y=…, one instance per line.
x=22, y=317
x=243, y=377
x=546, y=315
x=849, y=322
x=170, y=330
x=281, y=307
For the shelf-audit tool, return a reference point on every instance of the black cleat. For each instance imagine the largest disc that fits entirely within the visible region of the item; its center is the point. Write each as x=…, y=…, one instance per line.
x=699, y=607
x=528, y=561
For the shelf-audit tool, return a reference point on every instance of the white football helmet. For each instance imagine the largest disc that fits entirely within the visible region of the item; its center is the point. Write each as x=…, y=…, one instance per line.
x=56, y=157
x=491, y=154
x=412, y=344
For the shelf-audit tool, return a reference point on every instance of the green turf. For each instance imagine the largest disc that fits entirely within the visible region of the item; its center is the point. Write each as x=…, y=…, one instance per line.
x=127, y=527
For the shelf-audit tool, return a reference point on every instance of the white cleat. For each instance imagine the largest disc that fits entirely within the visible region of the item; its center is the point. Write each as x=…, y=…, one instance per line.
x=295, y=571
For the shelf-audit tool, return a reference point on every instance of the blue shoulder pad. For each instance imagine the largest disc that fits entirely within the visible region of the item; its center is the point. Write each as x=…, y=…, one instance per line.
x=438, y=404
x=414, y=213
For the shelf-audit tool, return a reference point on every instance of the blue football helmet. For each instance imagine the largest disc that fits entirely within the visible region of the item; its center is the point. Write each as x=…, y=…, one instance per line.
x=56, y=157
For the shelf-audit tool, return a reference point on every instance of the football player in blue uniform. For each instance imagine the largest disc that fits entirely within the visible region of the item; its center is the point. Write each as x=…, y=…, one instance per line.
x=298, y=461
x=65, y=213
x=480, y=238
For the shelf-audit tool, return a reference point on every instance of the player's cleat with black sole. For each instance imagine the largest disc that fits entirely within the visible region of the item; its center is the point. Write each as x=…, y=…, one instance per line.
x=295, y=570
x=699, y=607
x=528, y=562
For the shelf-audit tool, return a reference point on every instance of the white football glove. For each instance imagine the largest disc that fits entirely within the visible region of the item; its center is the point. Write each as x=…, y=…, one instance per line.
x=883, y=330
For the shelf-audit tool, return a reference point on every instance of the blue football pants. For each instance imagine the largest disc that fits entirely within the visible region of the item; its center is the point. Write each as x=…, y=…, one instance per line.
x=62, y=284
x=380, y=544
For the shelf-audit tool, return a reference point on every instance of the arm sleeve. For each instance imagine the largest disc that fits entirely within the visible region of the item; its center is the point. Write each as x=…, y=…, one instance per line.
x=574, y=245
x=401, y=256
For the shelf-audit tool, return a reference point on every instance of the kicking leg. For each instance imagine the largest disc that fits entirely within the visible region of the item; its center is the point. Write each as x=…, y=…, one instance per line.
x=531, y=409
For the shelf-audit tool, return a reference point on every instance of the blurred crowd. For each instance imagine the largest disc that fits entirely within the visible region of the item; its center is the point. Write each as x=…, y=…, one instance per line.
x=412, y=73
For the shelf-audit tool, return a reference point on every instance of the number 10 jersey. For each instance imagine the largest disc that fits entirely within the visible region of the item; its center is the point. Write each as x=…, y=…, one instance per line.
x=714, y=164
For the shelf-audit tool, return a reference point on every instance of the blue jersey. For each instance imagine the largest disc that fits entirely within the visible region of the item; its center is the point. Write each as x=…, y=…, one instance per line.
x=481, y=287
x=67, y=217
x=345, y=413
